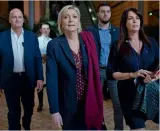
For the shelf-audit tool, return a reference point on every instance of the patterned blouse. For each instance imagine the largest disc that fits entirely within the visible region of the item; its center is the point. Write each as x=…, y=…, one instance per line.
x=80, y=80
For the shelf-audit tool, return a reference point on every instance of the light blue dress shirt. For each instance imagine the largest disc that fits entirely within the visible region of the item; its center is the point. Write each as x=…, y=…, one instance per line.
x=105, y=41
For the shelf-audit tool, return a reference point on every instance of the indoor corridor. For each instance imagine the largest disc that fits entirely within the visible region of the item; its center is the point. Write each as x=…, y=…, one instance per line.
x=42, y=120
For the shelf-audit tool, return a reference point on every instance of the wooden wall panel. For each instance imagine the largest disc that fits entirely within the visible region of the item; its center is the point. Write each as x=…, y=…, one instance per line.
x=118, y=10
x=153, y=20
x=153, y=5
x=147, y=6
x=26, y=8
x=42, y=7
x=37, y=10
x=4, y=12
x=4, y=9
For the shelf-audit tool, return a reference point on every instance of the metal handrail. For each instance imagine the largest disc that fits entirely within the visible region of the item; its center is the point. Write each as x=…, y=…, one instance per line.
x=92, y=11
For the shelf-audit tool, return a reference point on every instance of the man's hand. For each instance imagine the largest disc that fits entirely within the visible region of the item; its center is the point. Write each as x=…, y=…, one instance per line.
x=44, y=57
x=57, y=121
x=39, y=85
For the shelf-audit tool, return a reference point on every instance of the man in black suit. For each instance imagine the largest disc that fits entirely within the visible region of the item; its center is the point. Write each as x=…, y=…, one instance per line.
x=20, y=70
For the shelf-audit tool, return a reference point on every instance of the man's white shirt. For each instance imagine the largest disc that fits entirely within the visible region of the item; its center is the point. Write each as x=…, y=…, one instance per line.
x=43, y=42
x=18, y=51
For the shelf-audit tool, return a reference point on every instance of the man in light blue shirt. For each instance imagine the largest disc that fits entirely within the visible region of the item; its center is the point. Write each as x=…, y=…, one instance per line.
x=106, y=35
x=105, y=40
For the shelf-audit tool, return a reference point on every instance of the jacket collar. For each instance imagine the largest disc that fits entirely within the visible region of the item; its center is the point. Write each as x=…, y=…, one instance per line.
x=67, y=51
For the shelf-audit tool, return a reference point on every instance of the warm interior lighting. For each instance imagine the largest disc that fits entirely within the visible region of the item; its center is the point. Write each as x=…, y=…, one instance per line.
x=150, y=13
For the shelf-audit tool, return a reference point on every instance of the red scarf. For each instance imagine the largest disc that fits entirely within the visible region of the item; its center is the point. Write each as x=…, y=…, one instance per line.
x=94, y=98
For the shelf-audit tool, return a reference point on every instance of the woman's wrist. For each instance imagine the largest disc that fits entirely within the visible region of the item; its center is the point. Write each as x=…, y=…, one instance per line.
x=131, y=75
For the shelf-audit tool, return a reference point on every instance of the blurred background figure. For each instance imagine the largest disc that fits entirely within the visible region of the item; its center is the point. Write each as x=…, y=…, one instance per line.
x=43, y=41
x=55, y=11
x=57, y=6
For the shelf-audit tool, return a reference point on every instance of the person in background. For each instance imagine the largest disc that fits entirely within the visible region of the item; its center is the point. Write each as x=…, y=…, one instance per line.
x=73, y=79
x=55, y=11
x=135, y=57
x=105, y=35
x=20, y=70
x=43, y=41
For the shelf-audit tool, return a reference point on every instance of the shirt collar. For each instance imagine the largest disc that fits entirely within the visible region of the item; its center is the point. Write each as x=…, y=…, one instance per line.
x=44, y=37
x=100, y=28
x=13, y=32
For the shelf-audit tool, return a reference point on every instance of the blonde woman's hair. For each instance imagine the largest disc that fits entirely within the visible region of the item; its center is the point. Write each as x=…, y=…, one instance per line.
x=64, y=9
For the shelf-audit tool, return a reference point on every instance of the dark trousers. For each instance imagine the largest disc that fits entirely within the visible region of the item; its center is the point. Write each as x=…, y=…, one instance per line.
x=76, y=121
x=40, y=98
x=17, y=90
x=113, y=91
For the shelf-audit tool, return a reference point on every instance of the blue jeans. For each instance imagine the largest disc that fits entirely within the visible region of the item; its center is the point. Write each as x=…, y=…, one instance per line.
x=112, y=86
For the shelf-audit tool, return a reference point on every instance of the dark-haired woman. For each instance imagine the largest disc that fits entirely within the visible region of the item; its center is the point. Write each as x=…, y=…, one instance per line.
x=135, y=58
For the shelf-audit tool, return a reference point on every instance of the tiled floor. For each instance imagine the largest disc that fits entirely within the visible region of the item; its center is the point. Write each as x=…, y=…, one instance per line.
x=42, y=121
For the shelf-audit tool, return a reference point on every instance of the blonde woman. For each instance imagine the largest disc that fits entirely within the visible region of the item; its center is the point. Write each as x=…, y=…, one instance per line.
x=73, y=81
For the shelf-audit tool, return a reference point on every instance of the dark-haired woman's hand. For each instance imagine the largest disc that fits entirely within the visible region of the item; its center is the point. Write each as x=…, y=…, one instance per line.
x=147, y=79
x=141, y=73
x=156, y=76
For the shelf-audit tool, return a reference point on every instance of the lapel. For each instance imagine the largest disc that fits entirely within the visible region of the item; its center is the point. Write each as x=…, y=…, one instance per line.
x=25, y=45
x=9, y=48
x=84, y=56
x=113, y=35
x=66, y=49
x=65, y=46
x=97, y=34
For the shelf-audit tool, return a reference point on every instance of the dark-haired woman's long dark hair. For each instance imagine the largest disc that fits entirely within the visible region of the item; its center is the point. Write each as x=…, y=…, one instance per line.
x=123, y=28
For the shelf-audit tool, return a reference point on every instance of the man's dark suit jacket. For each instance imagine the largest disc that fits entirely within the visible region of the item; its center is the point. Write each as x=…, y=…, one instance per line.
x=114, y=37
x=32, y=58
x=61, y=77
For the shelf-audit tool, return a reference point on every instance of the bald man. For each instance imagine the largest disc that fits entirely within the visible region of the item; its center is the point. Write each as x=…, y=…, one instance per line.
x=20, y=70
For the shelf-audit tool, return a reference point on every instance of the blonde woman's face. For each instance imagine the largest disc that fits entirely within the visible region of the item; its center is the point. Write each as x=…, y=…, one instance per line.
x=70, y=21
